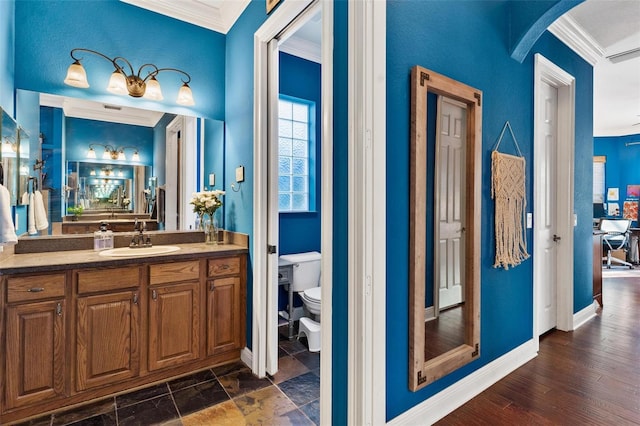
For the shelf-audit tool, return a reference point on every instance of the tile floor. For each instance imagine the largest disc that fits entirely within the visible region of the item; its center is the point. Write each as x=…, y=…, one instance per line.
x=226, y=395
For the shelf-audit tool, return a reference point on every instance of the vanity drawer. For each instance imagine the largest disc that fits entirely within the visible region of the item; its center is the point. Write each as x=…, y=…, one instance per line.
x=224, y=266
x=35, y=287
x=95, y=280
x=172, y=272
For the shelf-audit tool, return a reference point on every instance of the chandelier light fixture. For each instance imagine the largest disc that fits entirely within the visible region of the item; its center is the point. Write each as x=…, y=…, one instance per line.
x=113, y=153
x=125, y=81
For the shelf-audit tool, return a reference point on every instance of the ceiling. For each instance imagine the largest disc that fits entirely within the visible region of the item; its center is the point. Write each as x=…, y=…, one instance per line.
x=595, y=29
x=599, y=30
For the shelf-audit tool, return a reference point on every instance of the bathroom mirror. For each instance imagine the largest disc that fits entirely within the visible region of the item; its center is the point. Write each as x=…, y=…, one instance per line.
x=109, y=188
x=445, y=205
x=10, y=155
x=169, y=161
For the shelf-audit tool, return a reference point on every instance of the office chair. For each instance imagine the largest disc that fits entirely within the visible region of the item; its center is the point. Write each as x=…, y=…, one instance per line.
x=616, y=238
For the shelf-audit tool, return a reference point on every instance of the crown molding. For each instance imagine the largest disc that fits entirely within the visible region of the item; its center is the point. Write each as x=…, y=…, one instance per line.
x=100, y=111
x=216, y=15
x=568, y=31
x=302, y=48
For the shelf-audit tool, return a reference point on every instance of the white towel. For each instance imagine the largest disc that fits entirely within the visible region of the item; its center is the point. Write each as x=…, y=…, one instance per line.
x=31, y=216
x=7, y=228
x=25, y=199
x=40, y=212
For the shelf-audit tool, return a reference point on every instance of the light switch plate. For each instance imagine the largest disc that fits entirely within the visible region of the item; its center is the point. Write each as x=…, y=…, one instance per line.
x=212, y=179
x=529, y=220
x=240, y=174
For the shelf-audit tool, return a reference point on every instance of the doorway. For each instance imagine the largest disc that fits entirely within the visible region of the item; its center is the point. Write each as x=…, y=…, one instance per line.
x=554, y=109
x=288, y=17
x=180, y=182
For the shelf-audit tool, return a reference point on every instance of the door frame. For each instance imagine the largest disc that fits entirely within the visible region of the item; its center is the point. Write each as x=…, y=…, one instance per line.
x=548, y=72
x=264, y=286
x=366, y=223
x=187, y=181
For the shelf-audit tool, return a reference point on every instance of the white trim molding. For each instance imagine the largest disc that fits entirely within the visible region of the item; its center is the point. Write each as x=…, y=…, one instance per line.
x=444, y=402
x=583, y=316
x=304, y=49
x=367, y=215
x=568, y=31
x=548, y=72
x=217, y=15
x=286, y=14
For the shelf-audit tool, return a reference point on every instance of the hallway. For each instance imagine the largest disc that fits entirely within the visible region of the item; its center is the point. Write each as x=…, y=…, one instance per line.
x=588, y=377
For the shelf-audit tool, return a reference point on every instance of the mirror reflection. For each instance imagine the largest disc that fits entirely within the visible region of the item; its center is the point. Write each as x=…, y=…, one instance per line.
x=104, y=162
x=10, y=155
x=444, y=324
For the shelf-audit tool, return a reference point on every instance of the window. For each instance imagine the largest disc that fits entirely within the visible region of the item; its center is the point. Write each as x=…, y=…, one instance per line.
x=296, y=153
x=598, y=178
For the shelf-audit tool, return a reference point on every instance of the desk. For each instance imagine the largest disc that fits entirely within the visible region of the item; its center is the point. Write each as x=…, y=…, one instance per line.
x=285, y=275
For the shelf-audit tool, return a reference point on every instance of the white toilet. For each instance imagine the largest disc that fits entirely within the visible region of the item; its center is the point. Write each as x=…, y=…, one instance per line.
x=306, y=282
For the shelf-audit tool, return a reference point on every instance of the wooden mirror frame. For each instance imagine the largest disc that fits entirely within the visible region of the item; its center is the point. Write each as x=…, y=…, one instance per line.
x=421, y=371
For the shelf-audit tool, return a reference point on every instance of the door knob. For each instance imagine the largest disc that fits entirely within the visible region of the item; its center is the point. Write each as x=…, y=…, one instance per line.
x=556, y=238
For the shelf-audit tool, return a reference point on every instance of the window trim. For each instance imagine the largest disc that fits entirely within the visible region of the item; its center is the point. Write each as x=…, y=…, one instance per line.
x=311, y=154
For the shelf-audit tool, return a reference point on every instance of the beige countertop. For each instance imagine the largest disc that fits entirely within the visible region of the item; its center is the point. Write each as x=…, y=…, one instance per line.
x=62, y=260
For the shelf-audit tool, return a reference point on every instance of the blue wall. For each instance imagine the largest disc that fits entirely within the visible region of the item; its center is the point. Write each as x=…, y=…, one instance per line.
x=213, y=155
x=7, y=49
x=81, y=132
x=53, y=28
x=621, y=168
x=474, y=51
x=300, y=232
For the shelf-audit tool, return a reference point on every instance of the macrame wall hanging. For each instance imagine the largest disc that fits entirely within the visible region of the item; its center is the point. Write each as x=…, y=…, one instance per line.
x=508, y=189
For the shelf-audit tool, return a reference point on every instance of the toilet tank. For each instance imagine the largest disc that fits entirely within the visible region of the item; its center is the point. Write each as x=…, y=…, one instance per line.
x=306, y=269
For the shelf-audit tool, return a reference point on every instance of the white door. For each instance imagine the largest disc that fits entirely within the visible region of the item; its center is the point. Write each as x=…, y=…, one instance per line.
x=546, y=210
x=272, y=211
x=450, y=186
x=172, y=173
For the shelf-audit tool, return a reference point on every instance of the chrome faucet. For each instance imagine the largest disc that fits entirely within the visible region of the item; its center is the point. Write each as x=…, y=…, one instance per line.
x=139, y=239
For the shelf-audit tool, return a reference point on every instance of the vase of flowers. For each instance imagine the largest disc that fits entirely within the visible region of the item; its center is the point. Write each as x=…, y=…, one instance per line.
x=205, y=204
x=76, y=211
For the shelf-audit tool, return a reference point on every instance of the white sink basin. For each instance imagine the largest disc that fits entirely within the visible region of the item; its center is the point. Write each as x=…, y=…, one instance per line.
x=141, y=251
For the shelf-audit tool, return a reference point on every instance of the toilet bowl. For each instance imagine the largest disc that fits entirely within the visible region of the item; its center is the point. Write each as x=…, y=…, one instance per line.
x=311, y=300
x=305, y=281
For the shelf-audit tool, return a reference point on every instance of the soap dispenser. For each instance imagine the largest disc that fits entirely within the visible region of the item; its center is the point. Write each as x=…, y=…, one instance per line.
x=103, y=239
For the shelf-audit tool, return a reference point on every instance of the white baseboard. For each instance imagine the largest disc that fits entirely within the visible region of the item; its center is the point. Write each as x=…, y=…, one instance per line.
x=581, y=317
x=429, y=313
x=246, y=356
x=443, y=403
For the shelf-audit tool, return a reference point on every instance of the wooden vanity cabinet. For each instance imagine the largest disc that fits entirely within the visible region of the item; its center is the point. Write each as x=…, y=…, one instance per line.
x=174, y=313
x=35, y=333
x=82, y=334
x=224, y=301
x=108, y=326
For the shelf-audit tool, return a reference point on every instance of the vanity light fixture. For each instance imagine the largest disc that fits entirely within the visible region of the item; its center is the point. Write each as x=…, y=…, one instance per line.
x=9, y=147
x=113, y=153
x=123, y=82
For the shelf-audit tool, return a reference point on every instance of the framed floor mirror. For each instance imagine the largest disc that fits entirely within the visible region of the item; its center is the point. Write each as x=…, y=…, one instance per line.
x=445, y=207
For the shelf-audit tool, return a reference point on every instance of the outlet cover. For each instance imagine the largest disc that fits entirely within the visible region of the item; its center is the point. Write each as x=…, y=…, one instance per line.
x=212, y=179
x=240, y=174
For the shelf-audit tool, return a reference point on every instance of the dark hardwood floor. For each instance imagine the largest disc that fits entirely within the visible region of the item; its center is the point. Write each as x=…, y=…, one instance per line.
x=587, y=377
x=444, y=333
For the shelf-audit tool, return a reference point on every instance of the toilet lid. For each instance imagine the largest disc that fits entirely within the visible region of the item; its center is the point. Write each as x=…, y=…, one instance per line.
x=313, y=294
